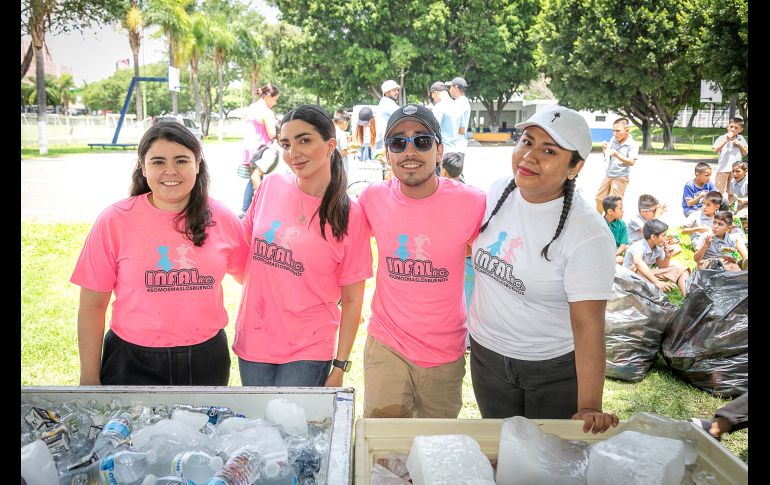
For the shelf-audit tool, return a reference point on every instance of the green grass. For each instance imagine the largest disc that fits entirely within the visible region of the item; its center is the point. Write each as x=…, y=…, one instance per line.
x=696, y=142
x=49, y=355
x=58, y=151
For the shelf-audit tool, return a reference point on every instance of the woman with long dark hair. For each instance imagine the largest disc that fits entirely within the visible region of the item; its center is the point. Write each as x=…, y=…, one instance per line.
x=544, y=262
x=163, y=252
x=310, y=249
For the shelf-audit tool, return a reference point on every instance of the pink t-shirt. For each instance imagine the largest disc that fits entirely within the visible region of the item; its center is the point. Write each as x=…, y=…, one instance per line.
x=168, y=292
x=254, y=131
x=293, y=279
x=418, y=308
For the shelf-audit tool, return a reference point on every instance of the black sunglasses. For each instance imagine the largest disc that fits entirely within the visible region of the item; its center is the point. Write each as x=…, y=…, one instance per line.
x=421, y=143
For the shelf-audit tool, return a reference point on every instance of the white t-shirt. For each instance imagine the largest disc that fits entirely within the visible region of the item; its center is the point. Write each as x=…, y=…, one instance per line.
x=520, y=304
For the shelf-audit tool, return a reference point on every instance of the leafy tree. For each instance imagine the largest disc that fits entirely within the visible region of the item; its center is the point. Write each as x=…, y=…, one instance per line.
x=724, y=48
x=248, y=52
x=64, y=84
x=195, y=44
x=633, y=56
x=491, y=43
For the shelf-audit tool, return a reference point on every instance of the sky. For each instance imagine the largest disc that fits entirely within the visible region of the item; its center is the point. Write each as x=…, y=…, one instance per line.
x=92, y=55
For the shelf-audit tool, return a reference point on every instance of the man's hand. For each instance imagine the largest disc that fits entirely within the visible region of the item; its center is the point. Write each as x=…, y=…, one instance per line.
x=665, y=286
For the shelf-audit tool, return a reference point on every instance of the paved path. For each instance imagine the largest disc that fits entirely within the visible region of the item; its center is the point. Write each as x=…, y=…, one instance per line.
x=76, y=188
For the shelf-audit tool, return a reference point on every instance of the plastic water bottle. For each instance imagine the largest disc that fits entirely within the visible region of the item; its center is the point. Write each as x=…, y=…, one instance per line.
x=122, y=468
x=167, y=480
x=114, y=433
x=243, y=468
x=277, y=473
x=197, y=466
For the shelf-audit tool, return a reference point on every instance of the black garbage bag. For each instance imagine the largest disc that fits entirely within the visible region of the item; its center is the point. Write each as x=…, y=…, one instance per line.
x=707, y=342
x=636, y=317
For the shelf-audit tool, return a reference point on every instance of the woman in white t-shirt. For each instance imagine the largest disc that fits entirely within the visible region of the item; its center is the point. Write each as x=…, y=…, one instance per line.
x=544, y=262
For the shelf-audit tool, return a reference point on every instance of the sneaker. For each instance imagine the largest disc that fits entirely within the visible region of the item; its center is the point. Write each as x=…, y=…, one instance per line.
x=704, y=424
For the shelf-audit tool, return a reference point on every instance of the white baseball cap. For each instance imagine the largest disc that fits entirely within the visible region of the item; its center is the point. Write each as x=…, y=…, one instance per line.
x=388, y=85
x=566, y=126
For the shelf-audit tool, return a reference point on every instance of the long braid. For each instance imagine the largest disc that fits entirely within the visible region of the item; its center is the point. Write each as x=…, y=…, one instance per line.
x=508, y=189
x=569, y=191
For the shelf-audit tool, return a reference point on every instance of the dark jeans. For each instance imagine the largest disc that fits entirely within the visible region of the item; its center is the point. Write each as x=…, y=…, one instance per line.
x=248, y=194
x=127, y=364
x=505, y=387
x=301, y=373
x=736, y=412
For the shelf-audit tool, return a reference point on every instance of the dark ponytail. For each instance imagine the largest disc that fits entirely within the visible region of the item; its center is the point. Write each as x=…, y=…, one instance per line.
x=569, y=192
x=335, y=203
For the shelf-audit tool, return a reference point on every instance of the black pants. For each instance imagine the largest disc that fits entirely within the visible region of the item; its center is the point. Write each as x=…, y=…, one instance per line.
x=203, y=364
x=505, y=387
x=736, y=412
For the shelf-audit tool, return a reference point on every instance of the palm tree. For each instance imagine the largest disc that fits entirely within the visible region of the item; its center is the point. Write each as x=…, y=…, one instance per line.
x=37, y=12
x=28, y=90
x=249, y=51
x=195, y=44
x=172, y=17
x=223, y=41
x=133, y=23
x=64, y=84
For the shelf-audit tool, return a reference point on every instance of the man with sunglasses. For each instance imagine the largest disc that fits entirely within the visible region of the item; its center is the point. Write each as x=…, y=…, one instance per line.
x=414, y=355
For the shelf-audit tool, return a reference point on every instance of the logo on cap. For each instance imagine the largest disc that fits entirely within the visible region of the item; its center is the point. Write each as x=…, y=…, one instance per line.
x=556, y=115
x=410, y=110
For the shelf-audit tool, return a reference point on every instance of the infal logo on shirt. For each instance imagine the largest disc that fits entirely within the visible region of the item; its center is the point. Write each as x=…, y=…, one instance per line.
x=177, y=274
x=414, y=265
x=268, y=252
x=500, y=268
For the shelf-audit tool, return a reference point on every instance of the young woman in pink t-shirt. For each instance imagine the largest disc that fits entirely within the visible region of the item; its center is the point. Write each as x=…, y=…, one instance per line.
x=163, y=252
x=310, y=249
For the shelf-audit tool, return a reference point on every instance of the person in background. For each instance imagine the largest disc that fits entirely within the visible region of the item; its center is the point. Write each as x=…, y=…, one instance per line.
x=649, y=208
x=310, y=249
x=387, y=105
x=731, y=417
x=365, y=134
x=621, y=153
x=651, y=258
x=696, y=189
x=719, y=244
x=613, y=214
x=414, y=354
x=259, y=130
x=730, y=148
x=544, y=262
x=699, y=222
x=447, y=115
x=738, y=192
x=457, y=87
x=163, y=252
x=341, y=124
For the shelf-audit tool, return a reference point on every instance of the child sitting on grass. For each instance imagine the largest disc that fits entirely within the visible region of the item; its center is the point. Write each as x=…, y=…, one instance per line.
x=651, y=259
x=699, y=221
x=718, y=245
x=613, y=214
x=696, y=189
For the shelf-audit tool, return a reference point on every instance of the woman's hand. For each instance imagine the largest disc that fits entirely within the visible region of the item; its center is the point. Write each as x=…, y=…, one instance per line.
x=596, y=421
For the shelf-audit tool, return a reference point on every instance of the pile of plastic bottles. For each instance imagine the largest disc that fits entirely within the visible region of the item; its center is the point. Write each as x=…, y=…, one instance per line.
x=78, y=442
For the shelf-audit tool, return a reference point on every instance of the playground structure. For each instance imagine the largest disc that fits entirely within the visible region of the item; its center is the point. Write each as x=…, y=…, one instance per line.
x=115, y=143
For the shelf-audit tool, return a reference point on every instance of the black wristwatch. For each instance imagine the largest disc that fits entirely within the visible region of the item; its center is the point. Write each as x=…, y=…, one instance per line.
x=342, y=364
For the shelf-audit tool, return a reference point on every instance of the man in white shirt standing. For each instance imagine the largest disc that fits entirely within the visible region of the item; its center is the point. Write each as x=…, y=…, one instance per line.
x=457, y=87
x=446, y=113
x=387, y=106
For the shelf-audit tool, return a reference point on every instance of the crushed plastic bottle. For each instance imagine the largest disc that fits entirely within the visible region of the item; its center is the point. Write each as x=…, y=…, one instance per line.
x=197, y=466
x=114, y=434
x=243, y=468
x=121, y=468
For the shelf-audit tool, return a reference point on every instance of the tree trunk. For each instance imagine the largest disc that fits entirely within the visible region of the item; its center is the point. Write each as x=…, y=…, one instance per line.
x=174, y=99
x=668, y=138
x=221, y=121
x=743, y=110
x=138, y=88
x=206, y=100
x=196, y=91
x=42, y=104
x=692, y=118
x=733, y=102
x=646, y=139
x=254, y=78
x=27, y=60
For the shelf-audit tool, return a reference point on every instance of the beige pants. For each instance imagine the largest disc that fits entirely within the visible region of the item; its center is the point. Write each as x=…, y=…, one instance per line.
x=397, y=388
x=616, y=186
x=671, y=273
